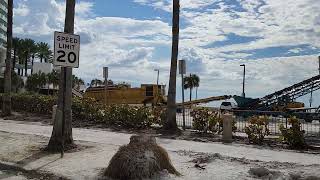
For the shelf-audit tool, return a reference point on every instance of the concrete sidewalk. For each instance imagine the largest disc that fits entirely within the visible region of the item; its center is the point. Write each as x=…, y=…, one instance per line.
x=21, y=142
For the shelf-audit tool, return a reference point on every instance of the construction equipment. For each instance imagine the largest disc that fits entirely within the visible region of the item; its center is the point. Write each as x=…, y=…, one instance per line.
x=147, y=94
x=205, y=100
x=282, y=99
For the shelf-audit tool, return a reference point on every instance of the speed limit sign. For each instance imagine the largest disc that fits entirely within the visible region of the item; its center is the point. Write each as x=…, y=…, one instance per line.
x=66, y=50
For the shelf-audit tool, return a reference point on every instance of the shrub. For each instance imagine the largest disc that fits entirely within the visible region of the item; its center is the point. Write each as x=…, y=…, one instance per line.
x=86, y=111
x=158, y=115
x=128, y=116
x=257, y=129
x=294, y=136
x=205, y=120
x=201, y=117
x=33, y=103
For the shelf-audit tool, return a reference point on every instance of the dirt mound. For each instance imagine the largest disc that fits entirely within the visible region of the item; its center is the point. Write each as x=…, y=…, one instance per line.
x=141, y=158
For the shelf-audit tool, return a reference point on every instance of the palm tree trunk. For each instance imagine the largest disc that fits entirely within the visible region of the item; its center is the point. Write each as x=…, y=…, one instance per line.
x=6, y=108
x=59, y=138
x=190, y=93
x=14, y=59
x=19, y=68
x=26, y=65
x=32, y=64
x=170, y=123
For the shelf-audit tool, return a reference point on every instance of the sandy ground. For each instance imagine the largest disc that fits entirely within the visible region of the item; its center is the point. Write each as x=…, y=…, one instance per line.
x=21, y=145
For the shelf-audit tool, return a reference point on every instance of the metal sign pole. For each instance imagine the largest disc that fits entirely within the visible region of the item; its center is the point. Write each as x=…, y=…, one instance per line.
x=105, y=90
x=182, y=71
x=105, y=75
x=183, y=110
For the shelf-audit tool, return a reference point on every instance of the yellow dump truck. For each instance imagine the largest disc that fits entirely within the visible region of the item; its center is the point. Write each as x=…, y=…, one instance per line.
x=147, y=94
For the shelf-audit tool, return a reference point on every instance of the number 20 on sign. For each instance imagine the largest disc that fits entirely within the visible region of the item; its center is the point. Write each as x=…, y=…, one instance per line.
x=66, y=50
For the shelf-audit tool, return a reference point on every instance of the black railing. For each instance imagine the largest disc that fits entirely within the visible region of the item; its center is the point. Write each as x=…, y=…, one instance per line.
x=311, y=127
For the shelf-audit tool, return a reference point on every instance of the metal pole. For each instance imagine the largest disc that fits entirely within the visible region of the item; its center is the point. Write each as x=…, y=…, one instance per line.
x=183, y=110
x=158, y=77
x=244, y=77
x=105, y=90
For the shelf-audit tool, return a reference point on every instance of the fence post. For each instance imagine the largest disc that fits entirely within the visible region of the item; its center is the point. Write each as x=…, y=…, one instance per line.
x=227, y=128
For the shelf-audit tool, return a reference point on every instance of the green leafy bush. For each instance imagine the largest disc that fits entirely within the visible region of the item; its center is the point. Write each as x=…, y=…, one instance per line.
x=294, y=136
x=201, y=117
x=258, y=129
x=158, y=115
x=33, y=103
x=205, y=120
x=87, y=111
x=128, y=116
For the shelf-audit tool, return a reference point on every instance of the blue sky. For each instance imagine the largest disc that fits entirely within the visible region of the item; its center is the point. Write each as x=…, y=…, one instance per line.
x=277, y=40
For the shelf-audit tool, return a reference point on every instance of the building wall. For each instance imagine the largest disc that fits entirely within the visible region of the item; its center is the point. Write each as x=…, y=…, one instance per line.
x=3, y=33
x=42, y=67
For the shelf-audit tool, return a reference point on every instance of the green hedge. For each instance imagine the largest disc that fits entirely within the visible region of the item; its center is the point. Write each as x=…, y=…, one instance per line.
x=32, y=103
x=87, y=111
x=206, y=120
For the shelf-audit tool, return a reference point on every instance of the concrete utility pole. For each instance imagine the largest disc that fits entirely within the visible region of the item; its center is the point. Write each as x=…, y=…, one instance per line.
x=6, y=107
x=244, y=77
x=157, y=76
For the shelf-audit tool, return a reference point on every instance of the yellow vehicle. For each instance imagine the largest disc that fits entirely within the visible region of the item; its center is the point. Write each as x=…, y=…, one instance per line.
x=287, y=106
x=147, y=94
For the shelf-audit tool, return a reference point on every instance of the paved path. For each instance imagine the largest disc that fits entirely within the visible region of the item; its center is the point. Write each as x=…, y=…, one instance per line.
x=117, y=139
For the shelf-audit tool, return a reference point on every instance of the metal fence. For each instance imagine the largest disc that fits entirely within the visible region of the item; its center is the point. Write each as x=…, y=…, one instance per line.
x=188, y=119
x=275, y=120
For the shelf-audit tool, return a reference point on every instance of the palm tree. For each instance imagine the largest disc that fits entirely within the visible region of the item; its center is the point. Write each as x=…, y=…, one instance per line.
x=77, y=82
x=6, y=107
x=28, y=48
x=63, y=119
x=196, y=84
x=20, y=55
x=191, y=82
x=170, y=124
x=122, y=85
x=42, y=80
x=16, y=46
x=55, y=78
x=96, y=82
x=43, y=51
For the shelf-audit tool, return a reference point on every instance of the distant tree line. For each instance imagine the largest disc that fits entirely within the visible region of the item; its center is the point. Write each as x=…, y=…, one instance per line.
x=26, y=50
x=98, y=82
x=37, y=81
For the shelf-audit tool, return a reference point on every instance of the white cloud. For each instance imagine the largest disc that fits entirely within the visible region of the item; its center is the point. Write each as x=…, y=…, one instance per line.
x=133, y=48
